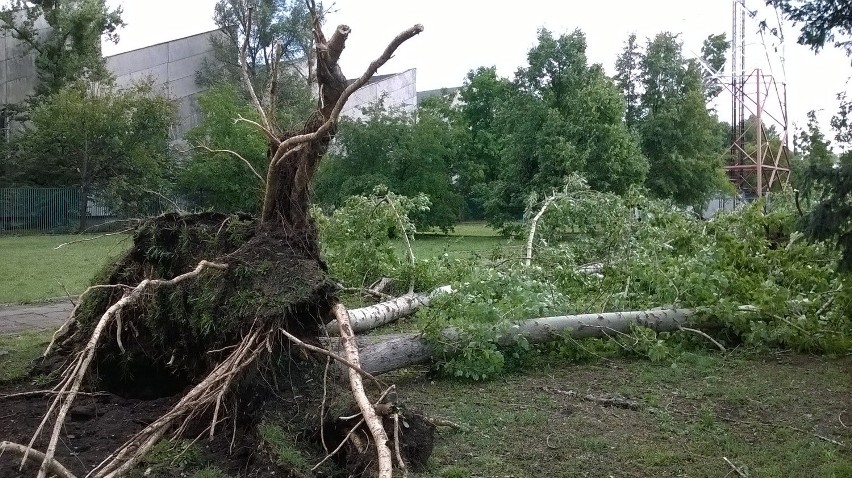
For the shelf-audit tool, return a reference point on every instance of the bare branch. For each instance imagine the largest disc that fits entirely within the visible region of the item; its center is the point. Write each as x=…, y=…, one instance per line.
x=246, y=77
x=357, y=84
x=711, y=339
x=234, y=153
x=270, y=136
x=332, y=355
x=374, y=423
x=92, y=238
x=534, y=224
x=178, y=209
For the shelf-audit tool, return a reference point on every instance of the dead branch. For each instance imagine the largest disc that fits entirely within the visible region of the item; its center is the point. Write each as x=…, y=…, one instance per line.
x=54, y=467
x=72, y=319
x=178, y=209
x=340, y=35
x=332, y=355
x=399, y=459
x=73, y=375
x=367, y=411
x=270, y=136
x=351, y=430
x=246, y=77
x=711, y=339
x=235, y=154
x=93, y=238
x=734, y=468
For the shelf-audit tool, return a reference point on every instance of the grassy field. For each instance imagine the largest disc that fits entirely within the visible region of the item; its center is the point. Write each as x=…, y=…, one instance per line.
x=32, y=270
x=770, y=415
x=467, y=239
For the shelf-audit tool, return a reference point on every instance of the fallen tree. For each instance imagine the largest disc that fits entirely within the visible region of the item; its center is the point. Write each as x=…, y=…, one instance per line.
x=384, y=354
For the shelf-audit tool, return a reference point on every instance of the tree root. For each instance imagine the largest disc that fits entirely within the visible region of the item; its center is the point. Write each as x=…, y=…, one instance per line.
x=54, y=467
x=209, y=391
x=73, y=375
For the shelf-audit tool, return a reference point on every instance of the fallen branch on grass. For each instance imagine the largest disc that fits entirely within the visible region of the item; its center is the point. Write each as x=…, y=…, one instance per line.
x=368, y=318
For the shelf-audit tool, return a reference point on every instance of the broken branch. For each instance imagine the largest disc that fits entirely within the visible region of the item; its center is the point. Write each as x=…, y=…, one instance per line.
x=383, y=452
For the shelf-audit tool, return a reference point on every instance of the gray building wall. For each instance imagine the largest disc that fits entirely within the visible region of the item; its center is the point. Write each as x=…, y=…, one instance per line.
x=172, y=66
x=17, y=67
x=399, y=90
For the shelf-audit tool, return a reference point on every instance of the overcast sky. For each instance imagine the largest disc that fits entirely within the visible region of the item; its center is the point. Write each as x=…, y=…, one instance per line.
x=461, y=35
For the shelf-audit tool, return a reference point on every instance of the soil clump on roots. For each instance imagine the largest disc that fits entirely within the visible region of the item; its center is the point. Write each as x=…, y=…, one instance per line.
x=279, y=414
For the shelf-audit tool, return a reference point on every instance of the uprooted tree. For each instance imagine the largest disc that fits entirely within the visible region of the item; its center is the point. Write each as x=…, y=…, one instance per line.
x=218, y=307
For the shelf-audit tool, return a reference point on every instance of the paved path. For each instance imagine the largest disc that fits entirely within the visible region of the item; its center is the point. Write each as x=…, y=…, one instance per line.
x=18, y=318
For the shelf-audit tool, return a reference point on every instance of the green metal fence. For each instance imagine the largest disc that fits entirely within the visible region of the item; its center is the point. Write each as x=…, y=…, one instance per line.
x=56, y=210
x=39, y=209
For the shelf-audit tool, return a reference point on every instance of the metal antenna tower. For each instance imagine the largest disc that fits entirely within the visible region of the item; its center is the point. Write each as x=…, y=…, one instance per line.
x=760, y=154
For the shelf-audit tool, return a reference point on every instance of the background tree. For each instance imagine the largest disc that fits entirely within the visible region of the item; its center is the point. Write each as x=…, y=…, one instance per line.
x=478, y=165
x=714, y=54
x=813, y=150
x=408, y=153
x=278, y=59
x=821, y=22
x=70, y=49
x=99, y=139
x=628, y=78
x=279, y=43
x=682, y=140
x=561, y=116
x=214, y=176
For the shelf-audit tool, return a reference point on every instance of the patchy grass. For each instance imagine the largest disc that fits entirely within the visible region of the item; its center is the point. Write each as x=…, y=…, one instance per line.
x=17, y=351
x=34, y=271
x=770, y=416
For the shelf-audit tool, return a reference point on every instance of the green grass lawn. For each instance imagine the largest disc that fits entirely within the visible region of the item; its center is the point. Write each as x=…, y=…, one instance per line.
x=466, y=240
x=770, y=415
x=31, y=270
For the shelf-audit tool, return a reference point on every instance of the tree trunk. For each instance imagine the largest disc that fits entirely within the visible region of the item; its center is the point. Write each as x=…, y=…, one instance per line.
x=400, y=351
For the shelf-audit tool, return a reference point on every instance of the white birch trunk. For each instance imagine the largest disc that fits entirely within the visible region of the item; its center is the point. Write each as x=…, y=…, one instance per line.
x=400, y=351
x=368, y=318
x=533, y=226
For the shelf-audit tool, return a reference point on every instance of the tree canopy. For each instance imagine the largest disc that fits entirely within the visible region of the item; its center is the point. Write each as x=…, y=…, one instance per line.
x=99, y=139
x=683, y=141
x=408, y=153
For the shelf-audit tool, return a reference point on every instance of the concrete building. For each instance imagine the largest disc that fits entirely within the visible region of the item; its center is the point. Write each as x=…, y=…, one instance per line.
x=172, y=66
x=398, y=90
